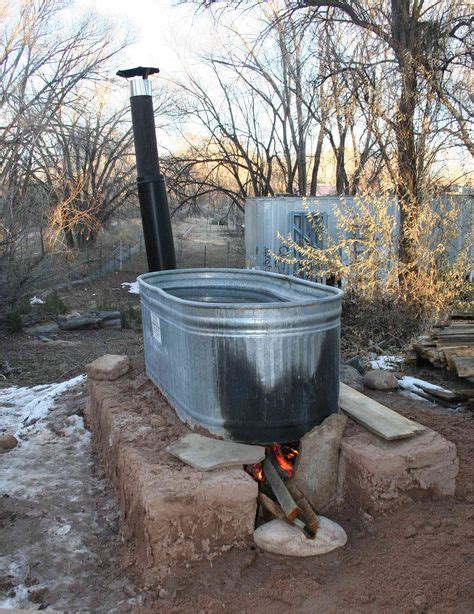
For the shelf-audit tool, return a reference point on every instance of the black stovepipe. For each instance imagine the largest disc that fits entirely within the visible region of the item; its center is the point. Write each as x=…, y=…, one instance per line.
x=151, y=183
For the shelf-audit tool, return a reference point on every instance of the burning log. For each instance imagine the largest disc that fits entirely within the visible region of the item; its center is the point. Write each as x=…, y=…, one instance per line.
x=288, y=504
x=275, y=511
x=309, y=515
x=295, y=508
x=271, y=506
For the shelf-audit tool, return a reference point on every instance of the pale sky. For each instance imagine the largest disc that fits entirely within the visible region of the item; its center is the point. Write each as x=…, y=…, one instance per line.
x=163, y=33
x=168, y=34
x=160, y=29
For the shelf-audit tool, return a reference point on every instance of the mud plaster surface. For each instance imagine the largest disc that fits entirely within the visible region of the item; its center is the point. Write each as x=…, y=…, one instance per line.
x=172, y=514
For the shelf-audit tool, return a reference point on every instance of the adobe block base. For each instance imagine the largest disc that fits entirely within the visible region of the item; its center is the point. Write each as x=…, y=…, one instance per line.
x=172, y=514
x=376, y=475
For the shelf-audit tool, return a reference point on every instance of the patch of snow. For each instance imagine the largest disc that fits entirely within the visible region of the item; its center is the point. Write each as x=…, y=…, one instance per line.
x=413, y=395
x=14, y=571
x=20, y=407
x=63, y=530
x=415, y=385
x=36, y=301
x=133, y=287
x=18, y=601
x=386, y=362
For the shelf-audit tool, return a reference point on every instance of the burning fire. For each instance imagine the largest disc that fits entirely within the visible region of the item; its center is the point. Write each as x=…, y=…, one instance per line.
x=256, y=471
x=285, y=457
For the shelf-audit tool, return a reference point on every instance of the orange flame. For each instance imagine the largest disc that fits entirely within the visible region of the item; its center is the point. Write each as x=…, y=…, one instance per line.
x=256, y=471
x=284, y=459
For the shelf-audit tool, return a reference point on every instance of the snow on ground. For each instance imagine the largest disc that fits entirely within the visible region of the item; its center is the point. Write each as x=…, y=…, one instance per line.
x=412, y=395
x=387, y=362
x=22, y=407
x=133, y=287
x=417, y=385
x=52, y=541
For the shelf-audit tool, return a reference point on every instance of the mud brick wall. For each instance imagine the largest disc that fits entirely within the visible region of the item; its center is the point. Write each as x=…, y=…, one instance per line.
x=171, y=513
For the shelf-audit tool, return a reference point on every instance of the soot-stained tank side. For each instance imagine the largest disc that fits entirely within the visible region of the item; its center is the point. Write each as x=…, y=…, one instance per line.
x=251, y=372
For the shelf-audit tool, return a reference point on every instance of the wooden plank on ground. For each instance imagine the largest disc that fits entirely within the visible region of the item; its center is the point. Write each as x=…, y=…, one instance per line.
x=466, y=331
x=374, y=416
x=457, y=350
x=464, y=366
x=463, y=315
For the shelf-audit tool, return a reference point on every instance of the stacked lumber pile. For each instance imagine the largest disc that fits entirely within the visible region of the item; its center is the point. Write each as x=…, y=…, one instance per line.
x=450, y=344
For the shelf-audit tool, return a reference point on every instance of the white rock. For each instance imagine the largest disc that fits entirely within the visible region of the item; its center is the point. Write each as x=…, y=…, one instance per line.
x=279, y=537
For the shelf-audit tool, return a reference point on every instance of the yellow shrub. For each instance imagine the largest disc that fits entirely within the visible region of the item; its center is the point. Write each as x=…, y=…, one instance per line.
x=365, y=253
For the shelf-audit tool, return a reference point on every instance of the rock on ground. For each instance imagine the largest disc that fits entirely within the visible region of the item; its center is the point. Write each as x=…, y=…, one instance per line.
x=351, y=377
x=379, y=379
x=279, y=537
x=356, y=363
x=316, y=467
x=205, y=453
x=8, y=442
x=108, y=367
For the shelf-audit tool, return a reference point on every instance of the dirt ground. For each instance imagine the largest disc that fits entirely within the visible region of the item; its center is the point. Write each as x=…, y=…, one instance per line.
x=60, y=546
x=198, y=243
x=379, y=570
x=61, y=549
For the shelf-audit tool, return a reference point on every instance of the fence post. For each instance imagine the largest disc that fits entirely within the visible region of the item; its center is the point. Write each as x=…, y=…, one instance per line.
x=205, y=255
x=68, y=275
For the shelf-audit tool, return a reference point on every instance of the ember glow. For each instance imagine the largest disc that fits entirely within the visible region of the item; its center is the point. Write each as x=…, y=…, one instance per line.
x=256, y=471
x=285, y=457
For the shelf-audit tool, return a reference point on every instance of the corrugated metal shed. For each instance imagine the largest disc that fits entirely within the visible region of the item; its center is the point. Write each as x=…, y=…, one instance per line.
x=265, y=218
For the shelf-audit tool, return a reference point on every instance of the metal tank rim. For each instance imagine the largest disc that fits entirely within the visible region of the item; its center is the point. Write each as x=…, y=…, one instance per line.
x=336, y=294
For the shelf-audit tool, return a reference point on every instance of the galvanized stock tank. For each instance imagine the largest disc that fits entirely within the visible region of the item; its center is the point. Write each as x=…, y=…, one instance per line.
x=249, y=355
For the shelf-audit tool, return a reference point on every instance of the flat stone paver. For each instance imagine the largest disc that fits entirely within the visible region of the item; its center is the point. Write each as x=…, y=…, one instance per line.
x=279, y=537
x=205, y=454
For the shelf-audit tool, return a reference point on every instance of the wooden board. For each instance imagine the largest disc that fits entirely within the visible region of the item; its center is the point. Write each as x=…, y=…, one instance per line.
x=374, y=416
x=286, y=501
x=457, y=350
x=464, y=366
x=462, y=315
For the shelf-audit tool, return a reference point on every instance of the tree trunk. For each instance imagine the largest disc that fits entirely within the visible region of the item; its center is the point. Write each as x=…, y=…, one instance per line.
x=404, y=29
x=317, y=162
x=341, y=175
x=406, y=188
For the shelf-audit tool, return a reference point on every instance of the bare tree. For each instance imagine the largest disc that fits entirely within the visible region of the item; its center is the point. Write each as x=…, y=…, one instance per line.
x=427, y=44
x=85, y=165
x=43, y=63
x=418, y=52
